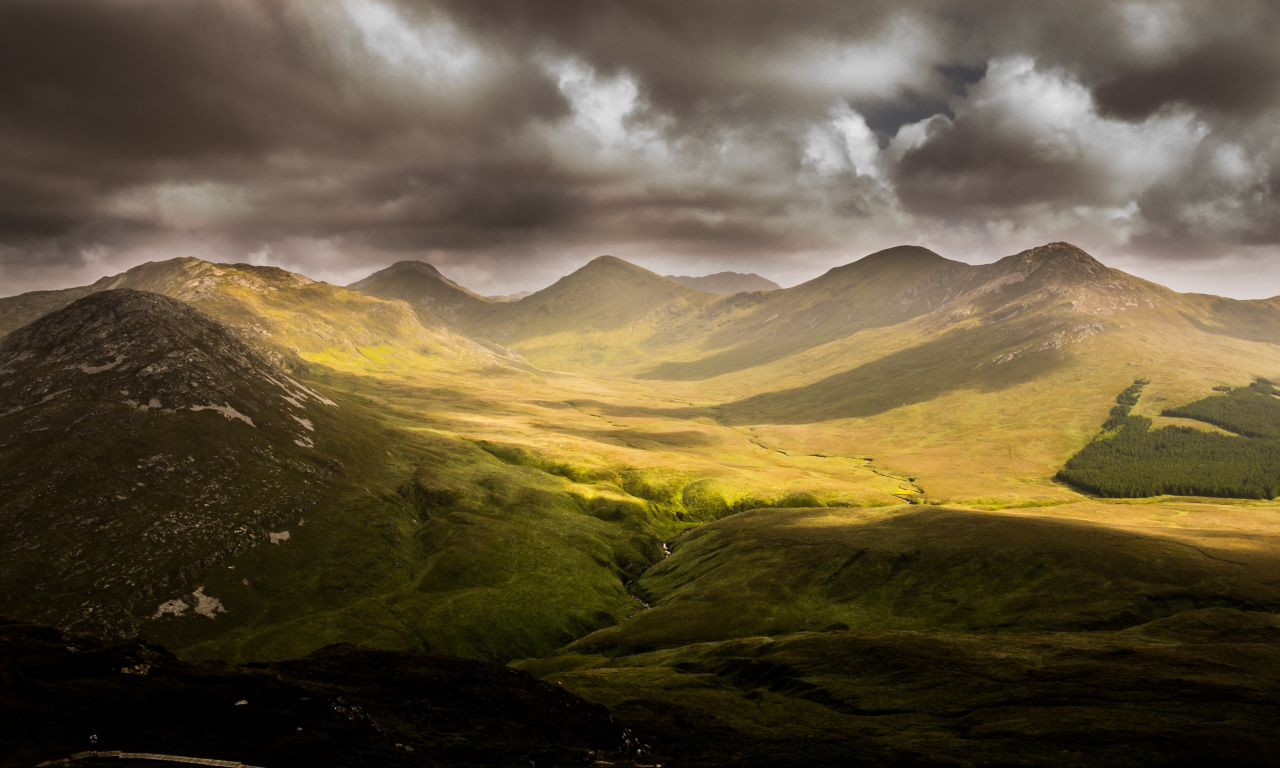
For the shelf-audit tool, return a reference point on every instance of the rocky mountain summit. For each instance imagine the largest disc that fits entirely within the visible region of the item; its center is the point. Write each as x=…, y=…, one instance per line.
x=150, y=352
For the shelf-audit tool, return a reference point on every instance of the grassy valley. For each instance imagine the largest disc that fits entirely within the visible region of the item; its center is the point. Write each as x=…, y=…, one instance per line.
x=895, y=514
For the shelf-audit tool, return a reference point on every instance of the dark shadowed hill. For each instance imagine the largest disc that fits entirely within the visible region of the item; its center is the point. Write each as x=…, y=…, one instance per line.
x=883, y=289
x=341, y=706
x=422, y=285
x=726, y=283
x=142, y=442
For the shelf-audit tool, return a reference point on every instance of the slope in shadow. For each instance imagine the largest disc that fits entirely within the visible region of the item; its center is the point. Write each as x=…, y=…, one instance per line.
x=935, y=569
x=971, y=358
x=738, y=358
x=880, y=290
x=343, y=705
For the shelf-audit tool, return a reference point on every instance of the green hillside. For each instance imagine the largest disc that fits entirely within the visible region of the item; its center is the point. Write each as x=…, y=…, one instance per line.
x=1085, y=637
x=605, y=313
x=286, y=315
x=873, y=554
x=143, y=443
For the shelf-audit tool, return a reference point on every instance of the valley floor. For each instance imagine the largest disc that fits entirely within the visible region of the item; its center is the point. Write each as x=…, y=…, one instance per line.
x=854, y=553
x=807, y=615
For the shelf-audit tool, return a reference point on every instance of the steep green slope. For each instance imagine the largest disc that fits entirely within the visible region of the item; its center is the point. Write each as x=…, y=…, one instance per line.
x=167, y=480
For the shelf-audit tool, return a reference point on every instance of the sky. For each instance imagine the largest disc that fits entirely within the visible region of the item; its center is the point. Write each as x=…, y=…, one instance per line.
x=510, y=142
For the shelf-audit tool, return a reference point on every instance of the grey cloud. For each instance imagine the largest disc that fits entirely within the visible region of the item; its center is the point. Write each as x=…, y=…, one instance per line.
x=130, y=130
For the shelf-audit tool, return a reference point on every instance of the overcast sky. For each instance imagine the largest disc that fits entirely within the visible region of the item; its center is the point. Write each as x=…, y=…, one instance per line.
x=510, y=142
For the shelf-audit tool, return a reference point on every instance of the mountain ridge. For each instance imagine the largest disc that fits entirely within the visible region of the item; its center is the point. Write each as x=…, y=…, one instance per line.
x=726, y=283
x=287, y=316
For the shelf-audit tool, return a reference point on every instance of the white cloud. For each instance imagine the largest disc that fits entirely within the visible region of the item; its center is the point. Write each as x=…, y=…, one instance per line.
x=600, y=105
x=900, y=57
x=433, y=50
x=181, y=206
x=843, y=142
x=1048, y=116
x=1155, y=30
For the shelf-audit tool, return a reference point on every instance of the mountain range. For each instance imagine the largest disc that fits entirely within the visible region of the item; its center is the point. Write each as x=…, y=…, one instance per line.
x=753, y=525
x=726, y=283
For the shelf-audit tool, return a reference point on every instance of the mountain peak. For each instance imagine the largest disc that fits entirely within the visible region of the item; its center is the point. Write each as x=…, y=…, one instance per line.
x=900, y=254
x=610, y=263
x=142, y=349
x=413, y=265
x=612, y=269
x=417, y=267
x=422, y=285
x=1059, y=253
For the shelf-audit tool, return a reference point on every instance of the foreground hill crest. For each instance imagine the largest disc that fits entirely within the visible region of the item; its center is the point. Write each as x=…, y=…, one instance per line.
x=147, y=351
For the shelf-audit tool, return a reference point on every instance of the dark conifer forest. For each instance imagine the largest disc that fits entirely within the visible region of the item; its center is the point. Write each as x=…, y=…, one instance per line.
x=1129, y=459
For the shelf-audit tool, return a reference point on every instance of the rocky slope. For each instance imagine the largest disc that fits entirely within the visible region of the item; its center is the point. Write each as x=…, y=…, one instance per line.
x=144, y=442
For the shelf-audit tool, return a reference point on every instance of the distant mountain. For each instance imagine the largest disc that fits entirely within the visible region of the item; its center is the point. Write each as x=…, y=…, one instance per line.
x=726, y=283
x=600, y=311
x=422, y=285
x=286, y=315
x=143, y=442
x=510, y=296
x=883, y=289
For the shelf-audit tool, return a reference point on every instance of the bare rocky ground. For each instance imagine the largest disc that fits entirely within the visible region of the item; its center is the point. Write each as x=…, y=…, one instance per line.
x=143, y=443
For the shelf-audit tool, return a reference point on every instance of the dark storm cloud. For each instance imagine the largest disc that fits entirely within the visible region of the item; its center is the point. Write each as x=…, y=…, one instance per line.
x=335, y=135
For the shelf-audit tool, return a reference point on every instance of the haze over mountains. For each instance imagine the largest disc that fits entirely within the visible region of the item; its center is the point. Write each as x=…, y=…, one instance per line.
x=625, y=485
x=726, y=283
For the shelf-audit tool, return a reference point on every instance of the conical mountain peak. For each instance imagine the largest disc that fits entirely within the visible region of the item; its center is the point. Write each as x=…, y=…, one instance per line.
x=609, y=272
x=613, y=265
x=1059, y=257
x=422, y=285
x=400, y=268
